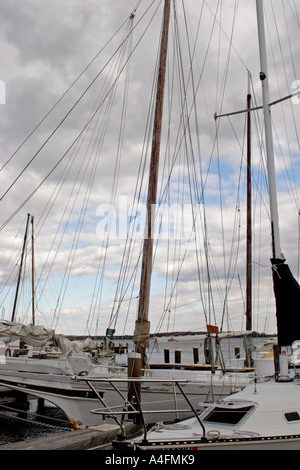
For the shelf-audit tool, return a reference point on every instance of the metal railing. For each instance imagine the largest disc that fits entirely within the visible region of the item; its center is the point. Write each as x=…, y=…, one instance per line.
x=134, y=409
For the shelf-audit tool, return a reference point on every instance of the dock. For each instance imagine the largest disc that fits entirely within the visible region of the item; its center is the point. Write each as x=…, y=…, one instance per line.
x=94, y=438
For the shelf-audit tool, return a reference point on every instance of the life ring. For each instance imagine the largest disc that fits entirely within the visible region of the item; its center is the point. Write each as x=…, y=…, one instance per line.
x=8, y=352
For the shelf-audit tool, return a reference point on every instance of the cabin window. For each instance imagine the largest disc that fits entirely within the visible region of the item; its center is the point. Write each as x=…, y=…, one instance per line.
x=227, y=415
x=292, y=416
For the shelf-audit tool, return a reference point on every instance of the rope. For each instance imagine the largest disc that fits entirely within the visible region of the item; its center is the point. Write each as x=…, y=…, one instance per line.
x=12, y=412
x=141, y=332
x=160, y=425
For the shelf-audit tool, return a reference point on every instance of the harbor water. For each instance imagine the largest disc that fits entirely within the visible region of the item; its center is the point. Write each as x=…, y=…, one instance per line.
x=37, y=422
x=19, y=426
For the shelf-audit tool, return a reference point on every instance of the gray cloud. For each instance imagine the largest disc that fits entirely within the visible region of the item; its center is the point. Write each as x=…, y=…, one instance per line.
x=45, y=45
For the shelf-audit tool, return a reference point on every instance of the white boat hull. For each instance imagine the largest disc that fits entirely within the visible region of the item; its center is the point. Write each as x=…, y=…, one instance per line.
x=53, y=380
x=267, y=443
x=263, y=416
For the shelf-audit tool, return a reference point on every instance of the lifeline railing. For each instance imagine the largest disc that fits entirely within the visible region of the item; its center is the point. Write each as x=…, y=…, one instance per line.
x=129, y=407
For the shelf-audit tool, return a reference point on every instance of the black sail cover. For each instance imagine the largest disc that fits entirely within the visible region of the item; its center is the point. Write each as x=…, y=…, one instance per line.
x=287, y=296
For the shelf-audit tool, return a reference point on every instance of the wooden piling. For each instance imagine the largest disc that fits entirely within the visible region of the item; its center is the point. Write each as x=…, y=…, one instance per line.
x=134, y=370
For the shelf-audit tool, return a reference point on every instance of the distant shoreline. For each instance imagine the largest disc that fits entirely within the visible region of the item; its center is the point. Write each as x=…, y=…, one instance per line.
x=167, y=335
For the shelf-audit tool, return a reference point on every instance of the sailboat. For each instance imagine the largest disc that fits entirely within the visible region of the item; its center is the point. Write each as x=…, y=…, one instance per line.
x=71, y=392
x=266, y=413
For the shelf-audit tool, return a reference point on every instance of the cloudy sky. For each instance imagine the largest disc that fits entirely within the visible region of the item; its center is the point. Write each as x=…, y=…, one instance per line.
x=76, y=114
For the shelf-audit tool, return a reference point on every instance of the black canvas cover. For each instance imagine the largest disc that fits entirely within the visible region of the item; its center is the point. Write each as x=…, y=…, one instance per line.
x=287, y=296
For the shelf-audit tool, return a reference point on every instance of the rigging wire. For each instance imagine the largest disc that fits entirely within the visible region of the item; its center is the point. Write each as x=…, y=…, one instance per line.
x=186, y=127
x=60, y=124
x=98, y=286
x=182, y=92
x=78, y=144
x=185, y=120
x=291, y=186
x=198, y=186
x=188, y=156
x=131, y=242
x=294, y=12
x=62, y=97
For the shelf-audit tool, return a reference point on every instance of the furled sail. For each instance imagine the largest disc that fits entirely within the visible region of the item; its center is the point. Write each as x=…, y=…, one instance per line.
x=287, y=296
x=37, y=336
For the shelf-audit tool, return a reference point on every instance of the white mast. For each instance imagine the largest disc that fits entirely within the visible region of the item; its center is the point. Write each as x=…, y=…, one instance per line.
x=268, y=132
x=283, y=363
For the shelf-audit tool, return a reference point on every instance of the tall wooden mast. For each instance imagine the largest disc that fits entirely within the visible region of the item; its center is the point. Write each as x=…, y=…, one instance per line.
x=249, y=220
x=32, y=271
x=249, y=228
x=20, y=270
x=142, y=327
